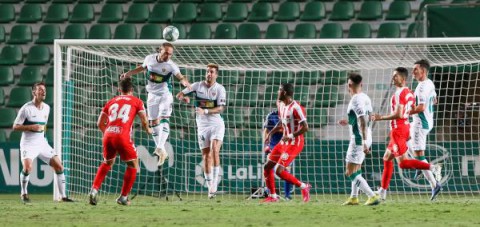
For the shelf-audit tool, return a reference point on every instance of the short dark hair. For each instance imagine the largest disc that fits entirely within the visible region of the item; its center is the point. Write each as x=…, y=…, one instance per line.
x=213, y=65
x=288, y=88
x=35, y=85
x=402, y=71
x=167, y=44
x=355, y=78
x=424, y=64
x=126, y=84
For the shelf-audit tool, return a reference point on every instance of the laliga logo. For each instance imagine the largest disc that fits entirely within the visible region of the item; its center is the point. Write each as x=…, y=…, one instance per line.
x=442, y=157
x=199, y=177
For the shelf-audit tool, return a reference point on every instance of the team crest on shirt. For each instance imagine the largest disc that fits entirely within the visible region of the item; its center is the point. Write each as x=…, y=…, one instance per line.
x=164, y=70
x=284, y=156
x=214, y=93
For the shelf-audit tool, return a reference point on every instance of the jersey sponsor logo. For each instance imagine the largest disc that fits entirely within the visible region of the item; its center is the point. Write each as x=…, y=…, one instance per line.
x=114, y=129
x=284, y=156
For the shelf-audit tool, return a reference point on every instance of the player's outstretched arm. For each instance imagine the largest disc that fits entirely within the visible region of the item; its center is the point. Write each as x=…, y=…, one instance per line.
x=132, y=72
x=396, y=115
x=183, y=80
x=144, y=120
x=181, y=96
x=102, y=122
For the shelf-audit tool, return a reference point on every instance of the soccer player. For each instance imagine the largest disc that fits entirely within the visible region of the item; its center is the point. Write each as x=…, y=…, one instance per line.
x=31, y=120
x=293, y=122
x=115, y=122
x=160, y=70
x=358, y=112
x=401, y=105
x=425, y=98
x=270, y=122
x=210, y=99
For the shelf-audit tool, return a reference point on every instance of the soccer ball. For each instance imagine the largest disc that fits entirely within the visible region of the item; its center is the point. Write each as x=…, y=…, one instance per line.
x=171, y=33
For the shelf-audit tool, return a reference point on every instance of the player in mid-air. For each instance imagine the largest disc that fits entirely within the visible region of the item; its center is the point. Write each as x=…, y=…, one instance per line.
x=358, y=112
x=401, y=105
x=210, y=101
x=425, y=98
x=31, y=120
x=293, y=122
x=160, y=70
x=270, y=122
x=115, y=122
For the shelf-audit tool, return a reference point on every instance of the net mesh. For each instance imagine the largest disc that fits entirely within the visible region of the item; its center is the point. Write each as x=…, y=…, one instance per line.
x=251, y=75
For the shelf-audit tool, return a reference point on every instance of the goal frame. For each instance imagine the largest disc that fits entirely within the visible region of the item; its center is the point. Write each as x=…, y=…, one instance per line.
x=59, y=43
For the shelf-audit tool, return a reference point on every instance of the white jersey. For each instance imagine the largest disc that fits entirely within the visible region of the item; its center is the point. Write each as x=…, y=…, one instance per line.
x=424, y=94
x=159, y=74
x=29, y=114
x=360, y=106
x=207, y=98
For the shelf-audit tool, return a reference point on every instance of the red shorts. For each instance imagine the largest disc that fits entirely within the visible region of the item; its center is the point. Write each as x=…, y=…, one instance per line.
x=398, y=140
x=283, y=154
x=113, y=145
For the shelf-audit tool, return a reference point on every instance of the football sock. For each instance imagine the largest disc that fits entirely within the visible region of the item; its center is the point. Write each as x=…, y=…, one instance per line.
x=358, y=179
x=387, y=174
x=208, y=178
x=160, y=133
x=289, y=178
x=128, y=180
x=270, y=180
x=101, y=173
x=61, y=184
x=216, y=172
x=414, y=164
x=427, y=173
x=24, y=178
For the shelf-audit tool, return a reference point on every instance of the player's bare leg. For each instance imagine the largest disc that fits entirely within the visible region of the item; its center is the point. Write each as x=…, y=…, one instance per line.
x=161, y=130
x=215, y=154
x=207, y=168
x=128, y=181
x=99, y=177
x=24, y=179
x=354, y=173
x=57, y=166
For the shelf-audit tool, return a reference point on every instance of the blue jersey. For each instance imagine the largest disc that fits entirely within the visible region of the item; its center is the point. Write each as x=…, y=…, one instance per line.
x=270, y=121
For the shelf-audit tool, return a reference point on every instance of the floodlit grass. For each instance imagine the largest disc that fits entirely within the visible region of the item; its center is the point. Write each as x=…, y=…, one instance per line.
x=197, y=210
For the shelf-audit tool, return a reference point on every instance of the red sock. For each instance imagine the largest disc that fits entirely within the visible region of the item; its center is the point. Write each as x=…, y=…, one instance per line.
x=414, y=164
x=128, y=180
x=101, y=173
x=289, y=178
x=387, y=174
x=269, y=180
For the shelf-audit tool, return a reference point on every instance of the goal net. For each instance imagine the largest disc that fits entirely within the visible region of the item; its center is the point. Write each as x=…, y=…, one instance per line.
x=87, y=72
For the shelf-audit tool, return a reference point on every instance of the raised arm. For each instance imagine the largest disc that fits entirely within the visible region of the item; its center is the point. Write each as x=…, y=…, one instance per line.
x=183, y=80
x=132, y=72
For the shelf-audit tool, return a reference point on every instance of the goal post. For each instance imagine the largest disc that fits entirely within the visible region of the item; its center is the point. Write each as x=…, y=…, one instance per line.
x=86, y=76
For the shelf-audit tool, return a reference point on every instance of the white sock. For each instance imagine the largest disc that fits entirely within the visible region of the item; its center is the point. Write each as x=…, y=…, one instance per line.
x=355, y=189
x=274, y=195
x=363, y=185
x=61, y=184
x=94, y=191
x=216, y=172
x=160, y=133
x=24, y=182
x=156, y=133
x=208, y=179
x=303, y=185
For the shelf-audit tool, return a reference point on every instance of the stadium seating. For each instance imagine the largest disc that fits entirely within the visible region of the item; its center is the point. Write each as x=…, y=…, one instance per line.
x=20, y=34
x=2, y=97
x=7, y=13
x=151, y=31
x=288, y=11
x=248, y=31
x=30, y=75
x=277, y=31
x=186, y=12
x=19, y=96
x=389, y=30
x=82, y=13
x=210, y=12
x=261, y=12
x=56, y=13
x=100, y=31
x=305, y=31
x=226, y=31
x=6, y=76
x=342, y=11
x=30, y=13
x=161, y=13
x=137, y=13
x=313, y=11
x=11, y=55
x=3, y=136
x=370, y=10
x=2, y=34
x=8, y=116
x=399, y=10
x=48, y=33
x=125, y=31
x=49, y=77
x=111, y=13
x=331, y=31
x=200, y=31
x=38, y=55
x=75, y=31
x=360, y=30
x=236, y=12
x=15, y=136
x=49, y=100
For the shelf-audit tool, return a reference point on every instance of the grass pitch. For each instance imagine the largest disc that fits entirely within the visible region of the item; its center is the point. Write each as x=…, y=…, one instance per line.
x=196, y=210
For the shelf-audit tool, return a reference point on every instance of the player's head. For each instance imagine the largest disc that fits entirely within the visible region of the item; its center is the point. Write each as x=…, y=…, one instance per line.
x=125, y=85
x=420, y=69
x=285, y=91
x=400, y=75
x=354, y=82
x=166, y=52
x=212, y=73
x=39, y=91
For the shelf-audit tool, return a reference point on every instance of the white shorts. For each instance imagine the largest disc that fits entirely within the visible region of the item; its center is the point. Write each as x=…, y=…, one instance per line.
x=159, y=106
x=42, y=150
x=355, y=152
x=418, y=138
x=207, y=134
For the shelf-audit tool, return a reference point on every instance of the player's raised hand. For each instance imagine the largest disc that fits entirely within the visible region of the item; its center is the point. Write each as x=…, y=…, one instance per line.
x=185, y=83
x=343, y=122
x=123, y=76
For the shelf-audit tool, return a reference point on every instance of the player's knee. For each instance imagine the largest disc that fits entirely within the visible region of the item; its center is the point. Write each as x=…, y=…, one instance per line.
x=27, y=169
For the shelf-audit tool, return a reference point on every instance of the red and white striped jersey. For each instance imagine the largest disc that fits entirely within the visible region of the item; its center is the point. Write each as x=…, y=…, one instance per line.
x=403, y=96
x=291, y=116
